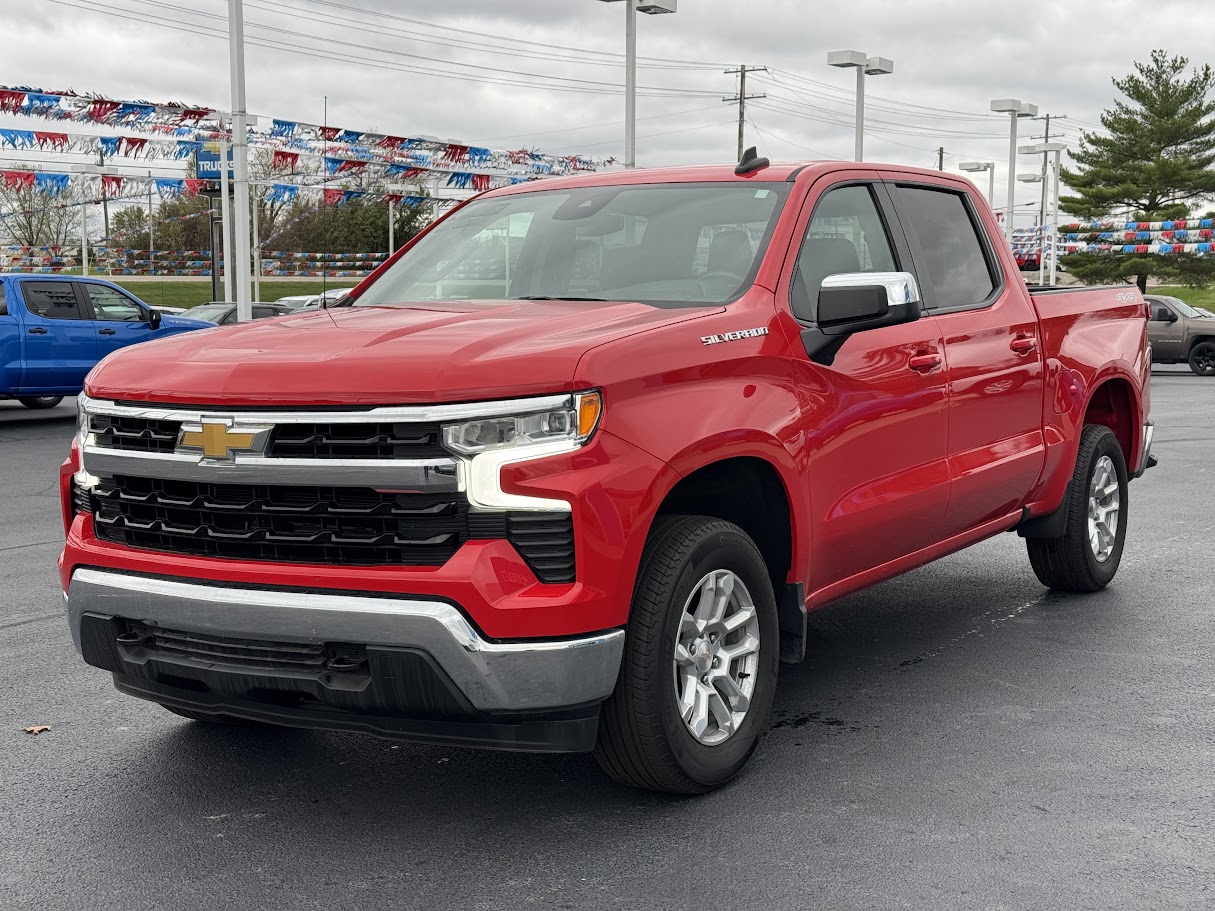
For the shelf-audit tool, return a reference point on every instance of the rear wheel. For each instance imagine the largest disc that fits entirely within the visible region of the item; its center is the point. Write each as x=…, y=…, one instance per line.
x=38, y=402
x=1202, y=358
x=699, y=670
x=1086, y=557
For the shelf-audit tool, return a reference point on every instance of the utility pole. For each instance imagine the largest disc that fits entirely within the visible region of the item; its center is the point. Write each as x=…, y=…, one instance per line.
x=151, y=230
x=742, y=98
x=240, y=155
x=941, y=158
x=105, y=202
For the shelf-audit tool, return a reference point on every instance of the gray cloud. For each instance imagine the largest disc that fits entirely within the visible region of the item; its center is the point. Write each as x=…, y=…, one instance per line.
x=949, y=54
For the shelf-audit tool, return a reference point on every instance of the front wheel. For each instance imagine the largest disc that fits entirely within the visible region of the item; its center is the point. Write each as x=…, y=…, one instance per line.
x=699, y=671
x=1086, y=557
x=1202, y=358
x=39, y=402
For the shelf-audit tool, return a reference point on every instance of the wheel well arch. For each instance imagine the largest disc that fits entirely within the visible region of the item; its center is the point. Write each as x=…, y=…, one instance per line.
x=749, y=492
x=1199, y=339
x=1113, y=405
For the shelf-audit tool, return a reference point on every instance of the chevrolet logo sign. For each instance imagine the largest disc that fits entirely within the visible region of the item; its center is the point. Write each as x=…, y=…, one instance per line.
x=218, y=440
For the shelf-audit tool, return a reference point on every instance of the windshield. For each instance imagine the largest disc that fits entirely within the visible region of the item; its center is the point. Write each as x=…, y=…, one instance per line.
x=656, y=243
x=210, y=312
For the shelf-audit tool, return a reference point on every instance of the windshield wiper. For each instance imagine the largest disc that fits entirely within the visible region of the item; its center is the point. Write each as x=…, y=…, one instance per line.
x=546, y=297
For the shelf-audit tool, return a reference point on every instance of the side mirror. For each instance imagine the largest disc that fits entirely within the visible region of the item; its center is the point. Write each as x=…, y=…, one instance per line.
x=154, y=319
x=856, y=302
x=1173, y=317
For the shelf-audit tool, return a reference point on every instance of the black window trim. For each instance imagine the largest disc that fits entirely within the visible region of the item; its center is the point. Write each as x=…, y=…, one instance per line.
x=882, y=202
x=927, y=289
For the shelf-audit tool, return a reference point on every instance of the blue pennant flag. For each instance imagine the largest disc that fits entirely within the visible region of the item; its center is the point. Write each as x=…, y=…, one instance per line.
x=18, y=139
x=351, y=136
x=283, y=129
x=186, y=148
x=51, y=184
x=109, y=144
x=170, y=187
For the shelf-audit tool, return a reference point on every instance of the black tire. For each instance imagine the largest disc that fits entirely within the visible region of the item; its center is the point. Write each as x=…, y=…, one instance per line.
x=1202, y=358
x=205, y=717
x=39, y=402
x=1068, y=563
x=643, y=740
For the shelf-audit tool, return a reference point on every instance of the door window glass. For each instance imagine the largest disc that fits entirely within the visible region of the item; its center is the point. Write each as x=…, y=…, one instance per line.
x=845, y=235
x=953, y=253
x=52, y=300
x=113, y=305
x=1161, y=313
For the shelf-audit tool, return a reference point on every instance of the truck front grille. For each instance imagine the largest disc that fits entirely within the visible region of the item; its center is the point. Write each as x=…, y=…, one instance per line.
x=298, y=524
x=356, y=441
x=134, y=434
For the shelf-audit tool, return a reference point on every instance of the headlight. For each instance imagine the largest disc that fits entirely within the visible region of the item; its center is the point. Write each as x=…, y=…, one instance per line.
x=82, y=420
x=573, y=422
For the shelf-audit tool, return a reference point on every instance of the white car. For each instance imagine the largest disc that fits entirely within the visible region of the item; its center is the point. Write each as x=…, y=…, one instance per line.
x=300, y=301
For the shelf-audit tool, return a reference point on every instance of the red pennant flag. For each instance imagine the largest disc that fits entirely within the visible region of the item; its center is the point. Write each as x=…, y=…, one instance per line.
x=456, y=154
x=392, y=142
x=480, y=182
x=57, y=141
x=111, y=184
x=284, y=161
x=17, y=180
x=10, y=101
x=349, y=165
x=133, y=145
x=194, y=186
x=193, y=115
x=413, y=172
x=333, y=196
x=328, y=133
x=101, y=110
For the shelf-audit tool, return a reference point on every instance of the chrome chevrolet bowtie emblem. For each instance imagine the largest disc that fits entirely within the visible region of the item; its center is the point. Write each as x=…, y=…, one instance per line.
x=218, y=439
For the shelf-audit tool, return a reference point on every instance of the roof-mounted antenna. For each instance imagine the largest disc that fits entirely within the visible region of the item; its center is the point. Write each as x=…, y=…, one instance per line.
x=751, y=162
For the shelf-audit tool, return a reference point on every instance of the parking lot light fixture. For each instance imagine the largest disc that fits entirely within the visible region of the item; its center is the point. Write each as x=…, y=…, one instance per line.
x=632, y=8
x=1015, y=108
x=990, y=168
x=864, y=66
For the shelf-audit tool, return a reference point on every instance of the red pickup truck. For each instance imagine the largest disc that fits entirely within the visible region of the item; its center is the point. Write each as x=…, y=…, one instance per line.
x=568, y=472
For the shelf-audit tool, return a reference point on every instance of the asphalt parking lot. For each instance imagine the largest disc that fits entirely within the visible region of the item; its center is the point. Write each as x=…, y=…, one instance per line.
x=957, y=738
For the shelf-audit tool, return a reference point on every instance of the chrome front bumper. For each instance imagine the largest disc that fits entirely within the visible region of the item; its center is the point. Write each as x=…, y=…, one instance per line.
x=494, y=677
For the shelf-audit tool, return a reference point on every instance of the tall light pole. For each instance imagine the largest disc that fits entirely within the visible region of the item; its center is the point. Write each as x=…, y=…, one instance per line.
x=632, y=7
x=990, y=168
x=1037, y=178
x=1014, y=108
x=1045, y=149
x=240, y=159
x=865, y=66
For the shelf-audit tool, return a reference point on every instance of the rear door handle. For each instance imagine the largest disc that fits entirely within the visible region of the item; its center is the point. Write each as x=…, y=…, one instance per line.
x=925, y=361
x=106, y=332
x=1023, y=344
x=37, y=330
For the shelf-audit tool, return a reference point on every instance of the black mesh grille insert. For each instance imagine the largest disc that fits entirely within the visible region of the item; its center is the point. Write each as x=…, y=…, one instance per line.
x=356, y=441
x=243, y=652
x=134, y=434
x=333, y=525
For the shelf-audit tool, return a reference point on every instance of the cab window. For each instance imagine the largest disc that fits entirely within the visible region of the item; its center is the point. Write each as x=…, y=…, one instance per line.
x=959, y=270
x=52, y=300
x=112, y=305
x=845, y=235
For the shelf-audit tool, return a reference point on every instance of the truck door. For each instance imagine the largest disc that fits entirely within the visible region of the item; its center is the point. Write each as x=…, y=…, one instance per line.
x=10, y=346
x=117, y=319
x=1166, y=331
x=996, y=387
x=875, y=418
x=60, y=341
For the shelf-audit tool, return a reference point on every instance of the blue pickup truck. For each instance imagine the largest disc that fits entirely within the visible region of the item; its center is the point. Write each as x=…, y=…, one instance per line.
x=53, y=329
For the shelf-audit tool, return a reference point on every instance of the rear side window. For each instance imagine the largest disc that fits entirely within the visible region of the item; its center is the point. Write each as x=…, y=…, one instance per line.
x=3, y=302
x=51, y=300
x=958, y=268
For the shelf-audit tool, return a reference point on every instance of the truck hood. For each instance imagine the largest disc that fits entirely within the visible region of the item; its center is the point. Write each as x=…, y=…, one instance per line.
x=419, y=353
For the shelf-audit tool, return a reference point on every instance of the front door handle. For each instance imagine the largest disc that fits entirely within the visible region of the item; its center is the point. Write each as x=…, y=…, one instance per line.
x=37, y=330
x=106, y=332
x=925, y=361
x=1023, y=344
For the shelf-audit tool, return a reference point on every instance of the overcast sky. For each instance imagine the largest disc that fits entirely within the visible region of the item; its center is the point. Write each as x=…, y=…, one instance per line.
x=951, y=58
